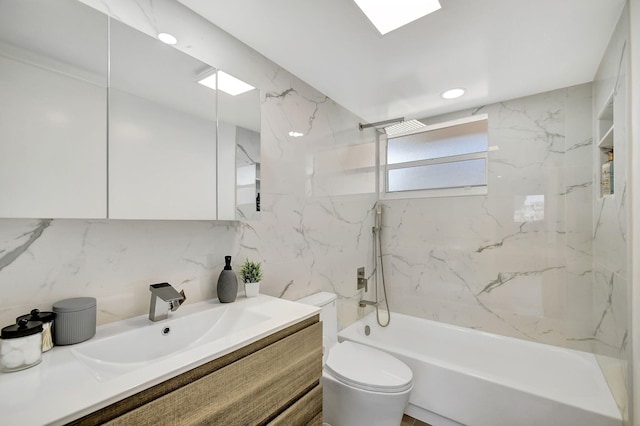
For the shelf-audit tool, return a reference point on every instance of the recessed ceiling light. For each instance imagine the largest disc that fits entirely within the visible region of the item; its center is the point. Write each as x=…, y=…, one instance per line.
x=388, y=15
x=295, y=134
x=227, y=83
x=167, y=38
x=453, y=93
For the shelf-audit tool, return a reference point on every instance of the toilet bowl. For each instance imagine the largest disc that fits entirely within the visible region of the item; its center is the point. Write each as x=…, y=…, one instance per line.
x=361, y=385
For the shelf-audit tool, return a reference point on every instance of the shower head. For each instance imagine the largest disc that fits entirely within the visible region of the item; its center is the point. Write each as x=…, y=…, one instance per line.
x=402, y=127
x=393, y=127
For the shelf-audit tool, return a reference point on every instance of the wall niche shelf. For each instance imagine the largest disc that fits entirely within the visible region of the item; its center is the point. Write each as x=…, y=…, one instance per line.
x=606, y=142
x=606, y=149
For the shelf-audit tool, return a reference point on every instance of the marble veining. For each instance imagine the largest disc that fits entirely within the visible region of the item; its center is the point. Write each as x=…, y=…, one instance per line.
x=505, y=277
x=608, y=305
x=8, y=257
x=576, y=187
x=501, y=242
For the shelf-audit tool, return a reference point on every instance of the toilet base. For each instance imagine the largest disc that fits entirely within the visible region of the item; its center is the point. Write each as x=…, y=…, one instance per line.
x=344, y=405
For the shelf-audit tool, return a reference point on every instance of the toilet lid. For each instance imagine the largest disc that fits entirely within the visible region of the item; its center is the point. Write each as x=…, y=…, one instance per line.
x=368, y=368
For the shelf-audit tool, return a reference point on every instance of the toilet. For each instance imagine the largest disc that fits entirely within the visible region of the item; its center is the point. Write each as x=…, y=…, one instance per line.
x=360, y=385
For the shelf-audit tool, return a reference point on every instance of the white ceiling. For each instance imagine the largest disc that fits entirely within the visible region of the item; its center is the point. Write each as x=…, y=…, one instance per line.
x=496, y=49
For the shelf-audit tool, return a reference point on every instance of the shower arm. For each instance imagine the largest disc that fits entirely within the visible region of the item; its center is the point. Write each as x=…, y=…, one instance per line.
x=363, y=126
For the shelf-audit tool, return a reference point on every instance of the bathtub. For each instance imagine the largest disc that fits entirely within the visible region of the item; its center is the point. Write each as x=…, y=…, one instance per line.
x=468, y=377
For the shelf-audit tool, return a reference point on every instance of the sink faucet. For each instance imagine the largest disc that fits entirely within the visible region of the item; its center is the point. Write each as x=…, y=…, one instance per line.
x=163, y=298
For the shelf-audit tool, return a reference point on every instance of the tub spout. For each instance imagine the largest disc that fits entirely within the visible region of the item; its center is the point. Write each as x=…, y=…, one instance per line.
x=364, y=303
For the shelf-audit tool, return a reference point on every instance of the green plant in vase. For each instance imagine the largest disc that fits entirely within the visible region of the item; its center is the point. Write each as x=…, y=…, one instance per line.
x=251, y=274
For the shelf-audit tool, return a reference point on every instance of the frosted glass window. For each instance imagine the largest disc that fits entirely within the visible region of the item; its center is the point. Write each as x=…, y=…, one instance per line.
x=443, y=156
x=444, y=142
x=440, y=175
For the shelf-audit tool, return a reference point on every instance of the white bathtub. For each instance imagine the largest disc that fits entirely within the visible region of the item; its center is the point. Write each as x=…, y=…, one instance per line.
x=469, y=377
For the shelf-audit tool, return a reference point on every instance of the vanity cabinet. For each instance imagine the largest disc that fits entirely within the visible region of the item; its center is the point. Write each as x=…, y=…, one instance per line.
x=274, y=381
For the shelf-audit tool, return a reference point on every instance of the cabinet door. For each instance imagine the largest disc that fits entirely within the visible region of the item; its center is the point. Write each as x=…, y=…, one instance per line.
x=53, y=116
x=305, y=411
x=239, y=155
x=162, y=131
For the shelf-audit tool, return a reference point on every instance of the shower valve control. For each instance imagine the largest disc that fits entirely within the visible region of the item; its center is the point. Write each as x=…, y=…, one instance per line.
x=362, y=281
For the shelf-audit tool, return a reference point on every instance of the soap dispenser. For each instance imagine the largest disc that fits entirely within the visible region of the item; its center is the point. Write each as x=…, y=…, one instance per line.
x=227, y=283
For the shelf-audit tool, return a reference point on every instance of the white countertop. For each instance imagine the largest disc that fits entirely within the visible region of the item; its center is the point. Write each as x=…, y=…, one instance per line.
x=62, y=388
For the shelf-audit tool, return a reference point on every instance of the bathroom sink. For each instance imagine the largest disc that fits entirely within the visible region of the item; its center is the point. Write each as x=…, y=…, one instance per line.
x=136, y=342
x=132, y=355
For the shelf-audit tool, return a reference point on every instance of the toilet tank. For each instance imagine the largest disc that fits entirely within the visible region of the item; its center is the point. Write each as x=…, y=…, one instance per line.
x=328, y=315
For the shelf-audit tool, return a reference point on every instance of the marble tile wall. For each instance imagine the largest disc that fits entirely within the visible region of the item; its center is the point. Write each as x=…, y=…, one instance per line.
x=315, y=213
x=518, y=260
x=611, y=308
x=42, y=261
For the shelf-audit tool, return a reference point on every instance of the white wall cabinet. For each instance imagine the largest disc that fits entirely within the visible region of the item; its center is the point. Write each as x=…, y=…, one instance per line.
x=162, y=162
x=162, y=131
x=53, y=110
x=100, y=120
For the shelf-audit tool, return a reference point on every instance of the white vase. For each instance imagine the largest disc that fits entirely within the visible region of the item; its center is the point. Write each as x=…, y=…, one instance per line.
x=251, y=289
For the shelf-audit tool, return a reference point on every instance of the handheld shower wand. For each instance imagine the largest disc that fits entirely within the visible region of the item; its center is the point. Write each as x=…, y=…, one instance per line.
x=377, y=260
x=378, y=220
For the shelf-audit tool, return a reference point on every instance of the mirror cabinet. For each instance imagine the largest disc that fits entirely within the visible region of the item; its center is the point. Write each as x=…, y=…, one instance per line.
x=53, y=110
x=239, y=151
x=162, y=131
x=99, y=120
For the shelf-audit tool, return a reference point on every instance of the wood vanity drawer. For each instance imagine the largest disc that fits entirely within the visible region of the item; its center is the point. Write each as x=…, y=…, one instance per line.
x=250, y=391
x=306, y=411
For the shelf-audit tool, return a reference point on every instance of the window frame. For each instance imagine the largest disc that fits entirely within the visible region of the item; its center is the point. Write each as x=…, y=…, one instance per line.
x=435, y=192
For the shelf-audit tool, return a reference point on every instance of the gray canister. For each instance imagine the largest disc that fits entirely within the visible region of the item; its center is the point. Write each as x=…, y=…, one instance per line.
x=75, y=320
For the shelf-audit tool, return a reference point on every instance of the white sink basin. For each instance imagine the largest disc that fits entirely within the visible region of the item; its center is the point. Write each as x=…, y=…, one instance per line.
x=128, y=356
x=138, y=341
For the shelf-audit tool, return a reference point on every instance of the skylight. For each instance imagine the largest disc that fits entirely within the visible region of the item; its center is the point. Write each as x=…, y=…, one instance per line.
x=388, y=15
x=227, y=83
